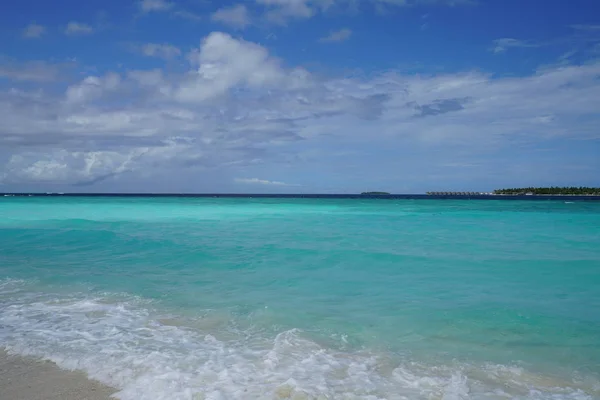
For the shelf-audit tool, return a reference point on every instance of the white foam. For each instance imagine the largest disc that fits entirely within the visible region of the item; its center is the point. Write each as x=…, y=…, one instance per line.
x=123, y=343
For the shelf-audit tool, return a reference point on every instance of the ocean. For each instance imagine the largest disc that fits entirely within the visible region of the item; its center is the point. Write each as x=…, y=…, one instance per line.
x=307, y=298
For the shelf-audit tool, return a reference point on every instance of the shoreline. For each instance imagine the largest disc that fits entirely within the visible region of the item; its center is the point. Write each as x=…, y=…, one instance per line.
x=29, y=378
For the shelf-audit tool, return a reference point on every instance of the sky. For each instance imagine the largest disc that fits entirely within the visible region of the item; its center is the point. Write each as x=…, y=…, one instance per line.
x=298, y=96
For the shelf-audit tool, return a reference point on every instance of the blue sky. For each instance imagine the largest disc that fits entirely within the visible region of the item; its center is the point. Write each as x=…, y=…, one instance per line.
x=330, y=96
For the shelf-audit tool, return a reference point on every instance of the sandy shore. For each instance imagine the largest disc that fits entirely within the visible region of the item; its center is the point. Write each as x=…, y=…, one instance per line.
x=29, y=379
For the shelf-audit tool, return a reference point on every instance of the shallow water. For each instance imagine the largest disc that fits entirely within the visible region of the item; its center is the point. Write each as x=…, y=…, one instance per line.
x=188, y=298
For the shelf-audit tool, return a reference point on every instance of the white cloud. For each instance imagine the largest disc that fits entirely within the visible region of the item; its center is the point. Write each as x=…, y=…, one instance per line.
x=279, y=11
x=171, y=8
x=91, y=88
x=501, y=45
x=64, y=166
x=188, y=15
x=578, y=41
x=87, y=167
x=236, y=16
x=256, y=181
x=415, y=3
x=450, y=3
x=78, y=28
x=34, y=31
x=165, y=51
x=337, y=36
x=238, y=106
x=155, y=5
x=34, y=71
x=224, y=63
x=147, y=78
x=588, y=27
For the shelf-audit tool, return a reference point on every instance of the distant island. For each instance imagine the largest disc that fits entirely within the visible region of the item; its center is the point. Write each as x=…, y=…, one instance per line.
x=375, y=193
x=550, y=191
x=529, y=191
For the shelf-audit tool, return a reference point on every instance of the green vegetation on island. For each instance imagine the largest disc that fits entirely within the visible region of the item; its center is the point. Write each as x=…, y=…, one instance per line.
x=375, y=193
x=564, y=191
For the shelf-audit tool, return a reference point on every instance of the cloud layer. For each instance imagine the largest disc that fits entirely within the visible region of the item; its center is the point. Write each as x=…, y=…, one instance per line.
x=226, y=111
x=256, y=181
x=238, y=105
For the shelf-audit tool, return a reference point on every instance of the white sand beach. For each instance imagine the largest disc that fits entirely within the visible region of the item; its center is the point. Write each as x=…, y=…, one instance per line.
x=24, y=378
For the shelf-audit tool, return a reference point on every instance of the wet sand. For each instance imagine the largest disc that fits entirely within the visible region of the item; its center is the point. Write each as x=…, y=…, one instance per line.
x=25, y=378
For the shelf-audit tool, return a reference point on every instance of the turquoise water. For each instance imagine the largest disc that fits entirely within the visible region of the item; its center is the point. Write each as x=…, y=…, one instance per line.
x=199, y=298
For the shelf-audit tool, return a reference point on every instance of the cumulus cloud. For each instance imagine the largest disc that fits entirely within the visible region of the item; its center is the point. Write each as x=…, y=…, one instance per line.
x=337, y=36
x=34, y=31
x=89, y=167
x=78, y=28
x=256, y=181
x=238, y=107
x=91, y=88
x=236, y=16
x=165, y=51
x=60, y=166
x=222, y=63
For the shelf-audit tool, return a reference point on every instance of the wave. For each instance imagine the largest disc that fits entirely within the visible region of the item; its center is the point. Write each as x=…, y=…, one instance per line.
x=128, y=343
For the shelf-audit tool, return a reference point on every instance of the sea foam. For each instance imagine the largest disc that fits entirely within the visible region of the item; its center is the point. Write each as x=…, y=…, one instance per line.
x=130, y=344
